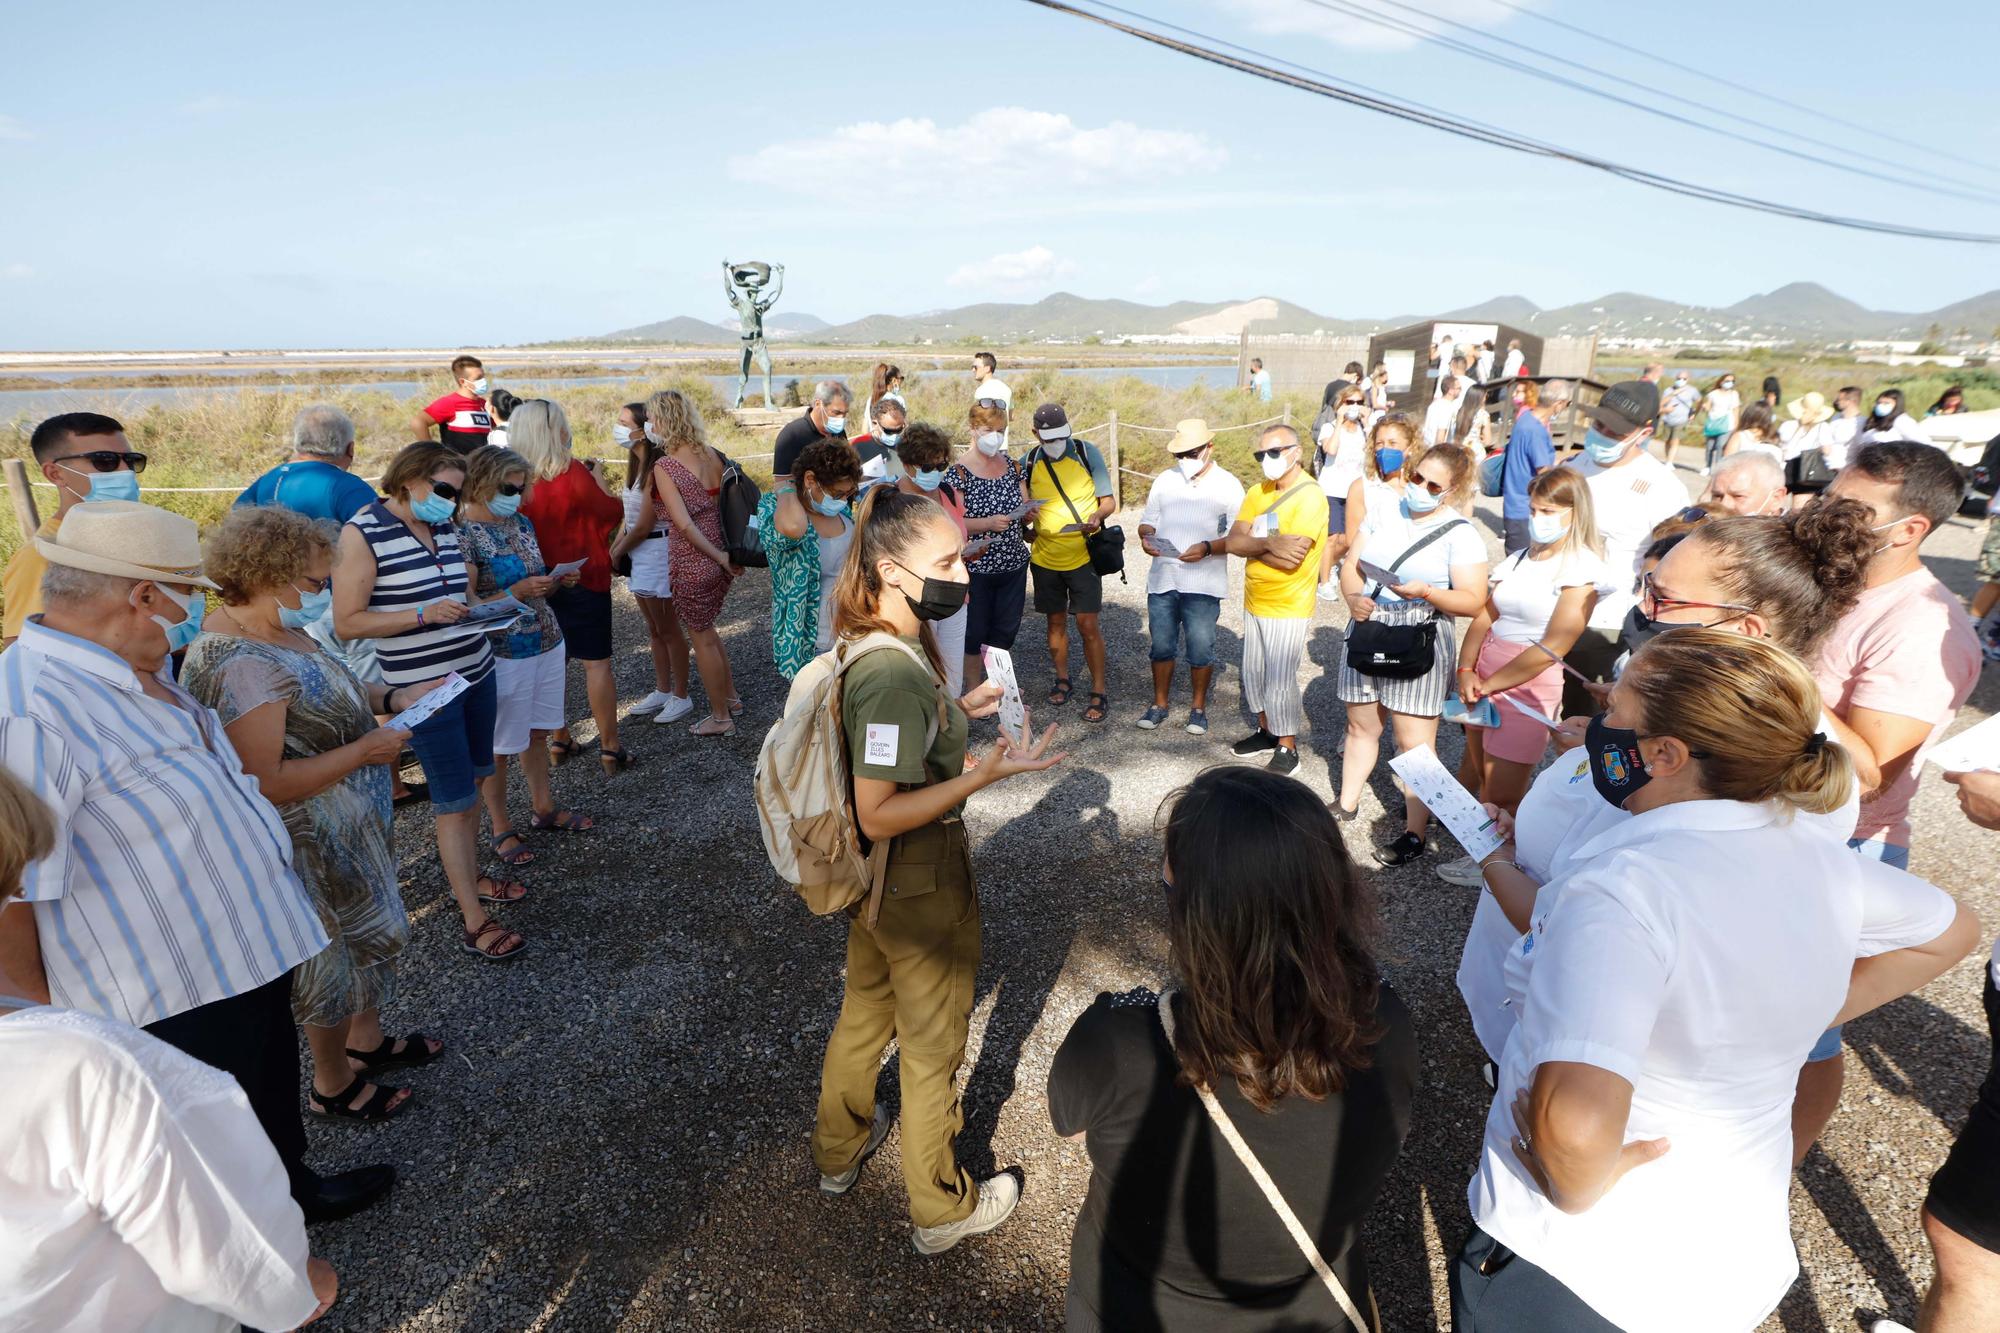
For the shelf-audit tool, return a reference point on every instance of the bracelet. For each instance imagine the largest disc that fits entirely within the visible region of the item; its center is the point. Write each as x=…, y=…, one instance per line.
x=389, y=701
x=1471, y=670
x=1485, y=866
x=420, y=617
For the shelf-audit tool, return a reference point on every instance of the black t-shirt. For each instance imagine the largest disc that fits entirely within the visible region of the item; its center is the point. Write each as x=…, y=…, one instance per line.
x=1174, y=1234
x=792, y=440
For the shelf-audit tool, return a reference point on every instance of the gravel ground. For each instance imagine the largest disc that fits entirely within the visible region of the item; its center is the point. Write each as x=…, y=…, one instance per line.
x=617, y=1137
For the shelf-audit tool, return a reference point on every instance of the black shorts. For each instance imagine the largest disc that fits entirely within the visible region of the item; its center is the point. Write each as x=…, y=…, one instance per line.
x=1079, y=590
x=1962, y=1195
x=585, y=618
x=993, y=614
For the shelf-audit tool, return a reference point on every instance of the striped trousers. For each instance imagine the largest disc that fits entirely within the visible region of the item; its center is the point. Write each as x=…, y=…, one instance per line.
x=1272, y=652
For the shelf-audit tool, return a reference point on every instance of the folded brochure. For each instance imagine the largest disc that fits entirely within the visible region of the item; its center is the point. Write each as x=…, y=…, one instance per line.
x=1446, y=798
x=450, y=688
x=1970, y=750
x=1000, y=670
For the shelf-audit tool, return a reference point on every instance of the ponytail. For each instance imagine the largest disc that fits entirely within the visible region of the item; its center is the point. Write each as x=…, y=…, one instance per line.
x=889, y=523
x=1801, y=571
x=1821, y=778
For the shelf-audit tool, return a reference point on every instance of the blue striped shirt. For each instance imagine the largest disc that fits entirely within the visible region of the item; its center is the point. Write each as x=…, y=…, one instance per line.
x=171, y=883
x=409, y=574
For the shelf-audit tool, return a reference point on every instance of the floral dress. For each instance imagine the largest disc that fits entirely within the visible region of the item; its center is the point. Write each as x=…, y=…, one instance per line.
x=984, y=498
x=699, y=583
x=794, y=587
x=340, y=838
x=500, y=555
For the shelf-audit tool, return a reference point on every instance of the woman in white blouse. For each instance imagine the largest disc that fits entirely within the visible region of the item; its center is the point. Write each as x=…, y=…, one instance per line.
x=1890, y=423
x=1637, y=1159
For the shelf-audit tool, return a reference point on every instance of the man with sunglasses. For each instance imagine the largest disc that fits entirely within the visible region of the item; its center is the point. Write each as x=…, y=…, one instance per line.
x=85, y=457
x=1632, y=492
x=1279, y=534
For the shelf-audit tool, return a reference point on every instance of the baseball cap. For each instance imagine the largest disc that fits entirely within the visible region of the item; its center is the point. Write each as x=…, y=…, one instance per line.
x=1625, y=407
x=1051, y=422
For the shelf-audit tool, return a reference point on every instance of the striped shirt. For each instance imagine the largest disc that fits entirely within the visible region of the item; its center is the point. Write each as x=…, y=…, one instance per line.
x=408, y=574
x=171, y=884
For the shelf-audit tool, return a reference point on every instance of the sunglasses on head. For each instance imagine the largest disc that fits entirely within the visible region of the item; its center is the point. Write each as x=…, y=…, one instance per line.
x=1261, y=454
x=108, y=460
x=444, y=490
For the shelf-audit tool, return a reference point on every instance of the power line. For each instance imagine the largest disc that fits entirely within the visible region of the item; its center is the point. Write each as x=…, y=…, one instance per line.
x=1734, y=86
x=1464, y=48
x=1327, y=86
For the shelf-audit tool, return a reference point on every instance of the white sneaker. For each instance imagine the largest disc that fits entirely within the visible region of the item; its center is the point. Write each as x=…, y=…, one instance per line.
x=1889, y=1326
x=877, y=1131
x=997, y=1197
x=1464, y=872
x=652, y=703
x=677, y=707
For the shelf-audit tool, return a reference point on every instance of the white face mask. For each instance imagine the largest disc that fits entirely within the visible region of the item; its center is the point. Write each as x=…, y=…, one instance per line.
x=1352, y=412
x=621, y=434
x=1276, y=468
x=991, y=443
x=479, y=386
x=1192, y=465
x=654, y=435
x=1056, y=448
x=1545, y=528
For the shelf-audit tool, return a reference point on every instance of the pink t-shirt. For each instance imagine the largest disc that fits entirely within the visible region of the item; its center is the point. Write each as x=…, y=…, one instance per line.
x=1906, y=648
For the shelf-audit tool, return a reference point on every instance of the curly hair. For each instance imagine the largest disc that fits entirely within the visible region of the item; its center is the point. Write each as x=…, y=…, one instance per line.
x=829, y=461
x=924, y=447
x=260, y=547
x=675, y=419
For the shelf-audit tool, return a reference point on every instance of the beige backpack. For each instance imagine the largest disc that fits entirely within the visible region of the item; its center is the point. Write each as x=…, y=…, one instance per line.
x=804, y=788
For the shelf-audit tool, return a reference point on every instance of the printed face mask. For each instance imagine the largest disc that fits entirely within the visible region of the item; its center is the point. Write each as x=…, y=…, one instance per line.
x=1616, y=769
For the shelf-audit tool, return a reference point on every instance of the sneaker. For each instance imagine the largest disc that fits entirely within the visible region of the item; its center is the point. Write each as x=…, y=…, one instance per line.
x=1889, y=1326
x=1256, y=742
x=1151, y=718
x=1284, y=760
x=652, y=703
x=997, y=1197
x=1464, y=872
x=1405, y=849
x=676, y=707
x=1197, y=723
x=877, y=1131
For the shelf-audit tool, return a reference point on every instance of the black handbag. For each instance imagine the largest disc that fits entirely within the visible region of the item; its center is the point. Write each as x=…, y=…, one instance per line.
x=1396, y=652
x=1106, y=546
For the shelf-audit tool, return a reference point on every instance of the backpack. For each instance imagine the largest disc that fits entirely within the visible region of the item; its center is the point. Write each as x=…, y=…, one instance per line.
x=738, y=504
x=1986, y=472
x=804, y=788
x=1492, y=475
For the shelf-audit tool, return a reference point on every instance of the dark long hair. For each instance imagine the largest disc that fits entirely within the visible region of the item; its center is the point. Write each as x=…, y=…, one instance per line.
x=1271, y=928
x=641, y=454
x=890, y=523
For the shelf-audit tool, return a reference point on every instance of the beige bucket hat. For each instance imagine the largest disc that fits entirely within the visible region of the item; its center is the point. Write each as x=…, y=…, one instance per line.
x=1810, y=410
x=1190, y=434
x=127, y=539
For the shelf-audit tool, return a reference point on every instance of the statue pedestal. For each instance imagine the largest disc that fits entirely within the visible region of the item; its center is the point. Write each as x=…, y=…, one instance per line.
x=761, y=418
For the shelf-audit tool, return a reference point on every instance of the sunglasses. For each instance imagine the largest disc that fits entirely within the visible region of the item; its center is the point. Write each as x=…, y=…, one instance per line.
x=108, y=460
x=509, y=488
x=314, y=585
x=444, y=490
x=1261, y=454
x=1433, y=487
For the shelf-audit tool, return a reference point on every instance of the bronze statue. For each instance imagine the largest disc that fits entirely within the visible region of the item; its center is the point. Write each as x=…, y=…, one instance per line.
x=743, y=283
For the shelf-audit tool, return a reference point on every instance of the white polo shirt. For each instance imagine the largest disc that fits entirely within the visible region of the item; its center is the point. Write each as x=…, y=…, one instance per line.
x=1697, y=953
x=1188, y=513
x=1630, y=501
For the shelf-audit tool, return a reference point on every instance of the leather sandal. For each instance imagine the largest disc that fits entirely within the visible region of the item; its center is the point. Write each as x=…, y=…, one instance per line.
x=386, y=1104
x=501, y=952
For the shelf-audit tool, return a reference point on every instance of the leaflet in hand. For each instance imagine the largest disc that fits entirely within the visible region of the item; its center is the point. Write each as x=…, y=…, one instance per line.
x=407, y=720
x=1448, y=800
x=1165, y=549
x=1387, y=578
x=1970, y=751
x=1069, y=527
x=1482, y=713
x=1520, y=707
x=1025, y=508
x=569, y=567
x=1013, y=714
x=500, y=608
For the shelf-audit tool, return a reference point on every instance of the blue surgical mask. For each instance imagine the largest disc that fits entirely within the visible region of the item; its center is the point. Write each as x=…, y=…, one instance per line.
x=433, y=509
x=1602, y=449
x=1881, y=410
x=504, y=506
x=312, y=608
x=830, y=505
x=836, y=425
x=928, y=479
x=120, y=485
x=1390, y=461
x=479, y=386
x=180, y=635
x=891, y=438
x=1545, y=528
x=1417, y=500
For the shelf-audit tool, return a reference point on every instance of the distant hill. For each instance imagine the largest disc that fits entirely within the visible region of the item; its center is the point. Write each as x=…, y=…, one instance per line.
x=1799, y=311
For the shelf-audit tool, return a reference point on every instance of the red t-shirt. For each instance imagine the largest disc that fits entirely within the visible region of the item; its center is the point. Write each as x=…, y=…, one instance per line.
x=574, y=517
x=463, y=420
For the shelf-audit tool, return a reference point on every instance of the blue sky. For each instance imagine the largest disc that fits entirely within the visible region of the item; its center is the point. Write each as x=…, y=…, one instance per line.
x=368, y=174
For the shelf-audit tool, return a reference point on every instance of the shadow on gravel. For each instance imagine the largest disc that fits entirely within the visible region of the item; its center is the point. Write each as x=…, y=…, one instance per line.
x=1925, y=1053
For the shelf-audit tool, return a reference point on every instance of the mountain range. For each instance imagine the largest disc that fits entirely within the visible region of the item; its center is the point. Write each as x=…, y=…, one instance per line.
x=1798, y=312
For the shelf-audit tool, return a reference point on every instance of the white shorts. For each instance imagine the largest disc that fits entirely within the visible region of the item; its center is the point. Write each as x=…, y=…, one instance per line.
x=530, y=697
x=652, y=575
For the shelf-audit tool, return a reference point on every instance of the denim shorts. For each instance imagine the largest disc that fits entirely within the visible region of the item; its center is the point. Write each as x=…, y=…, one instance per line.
x=455, y=746
x=1169, y=615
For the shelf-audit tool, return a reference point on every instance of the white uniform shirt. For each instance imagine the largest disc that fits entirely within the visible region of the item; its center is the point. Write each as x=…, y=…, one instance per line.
x=1188, y=513
x=1630, y=501
x=140, y=1191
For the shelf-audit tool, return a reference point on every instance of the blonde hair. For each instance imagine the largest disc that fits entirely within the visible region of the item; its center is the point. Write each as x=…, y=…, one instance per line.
x=487, y=469
x=675, y=419
x=260, y=547
x=1561, y=486
x=539, y=433
x=1748, y=711
x=27, y=832
x=1458, y=459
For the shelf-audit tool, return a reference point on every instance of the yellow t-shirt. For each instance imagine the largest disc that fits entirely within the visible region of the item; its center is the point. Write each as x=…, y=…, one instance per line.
x=1270, y=592
x=21, y=584
x=1065, y=551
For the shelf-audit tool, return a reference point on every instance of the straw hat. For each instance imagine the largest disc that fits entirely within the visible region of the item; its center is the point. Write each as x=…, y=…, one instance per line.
x=1810, y=410
x=1189, y=435
x=104, y=536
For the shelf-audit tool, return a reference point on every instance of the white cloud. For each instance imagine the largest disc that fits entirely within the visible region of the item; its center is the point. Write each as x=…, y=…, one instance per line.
x=1149, y=284
x=10, y=128
x=996, y=152
x=16, y=271
x=1292, y=18
x=1034, y=267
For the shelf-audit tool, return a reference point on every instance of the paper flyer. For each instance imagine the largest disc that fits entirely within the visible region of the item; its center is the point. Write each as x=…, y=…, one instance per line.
x=1448, y=800
x=1167, y=550
x=1382, y=576
x=500, y=608
x=1013, y=714
x=1970, y=751
x=407, y=720
x=568, y=567
x=1520, y=707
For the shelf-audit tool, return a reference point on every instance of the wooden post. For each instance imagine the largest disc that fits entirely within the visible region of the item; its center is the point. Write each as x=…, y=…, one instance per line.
x=23, y=496
x=1288, y=414
x=1112, y=461
x=1243, y=357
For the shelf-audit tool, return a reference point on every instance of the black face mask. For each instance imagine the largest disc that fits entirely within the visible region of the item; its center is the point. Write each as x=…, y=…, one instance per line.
x=1640, y=629
x=1616, y=769
x=942, y=597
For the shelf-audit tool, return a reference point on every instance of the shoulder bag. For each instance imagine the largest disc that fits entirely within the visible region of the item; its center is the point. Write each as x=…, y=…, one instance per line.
x=1397, y=652
x=1106, y=546
x=1296, y=1229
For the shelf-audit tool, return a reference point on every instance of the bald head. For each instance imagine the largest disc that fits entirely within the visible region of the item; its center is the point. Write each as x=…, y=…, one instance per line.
x=1748, y=483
